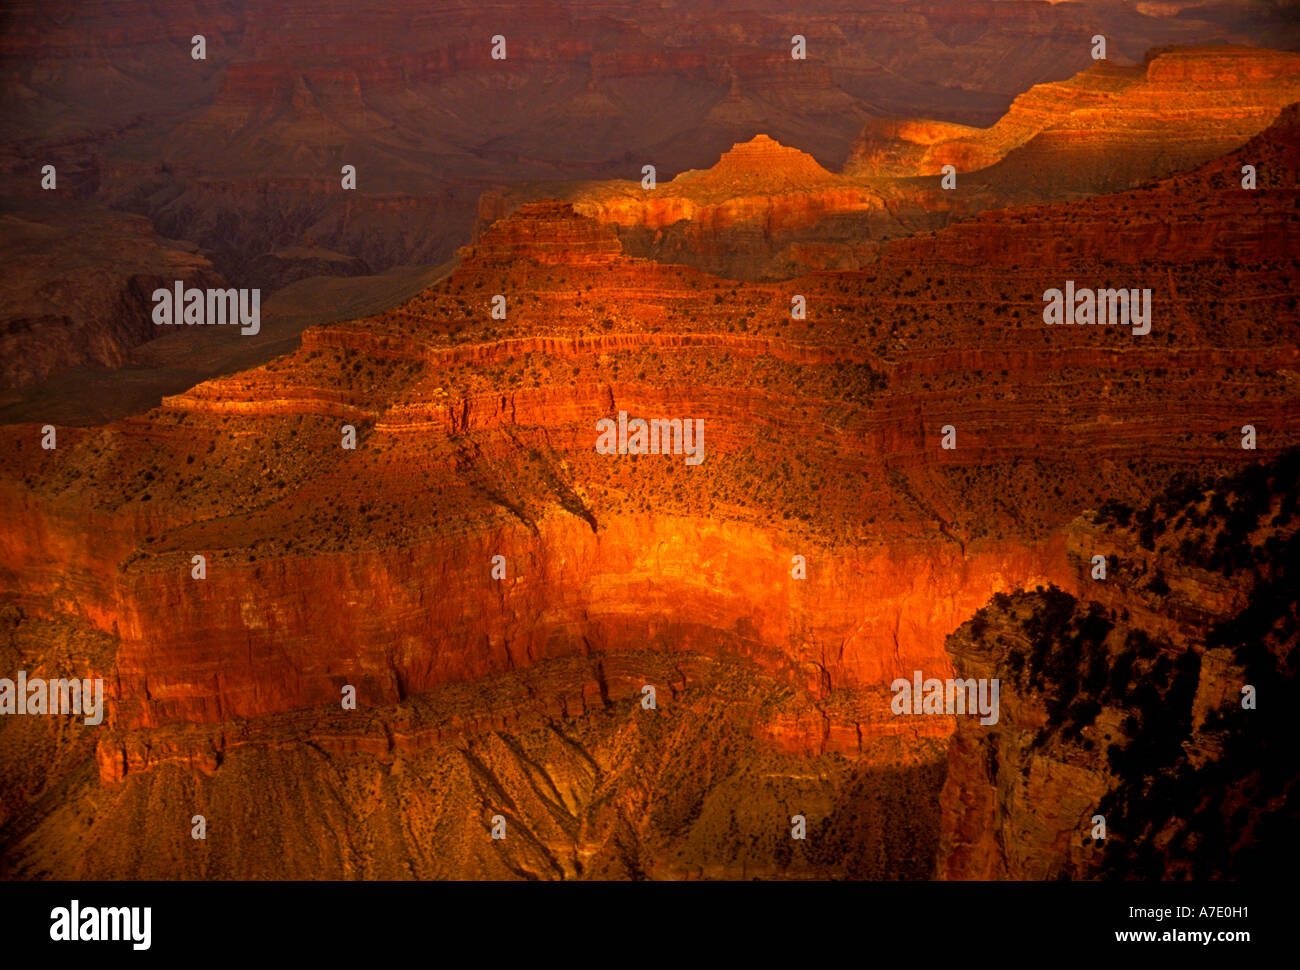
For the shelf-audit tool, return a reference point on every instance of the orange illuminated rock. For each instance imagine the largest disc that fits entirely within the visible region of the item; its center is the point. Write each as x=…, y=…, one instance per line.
x=767, y=211
x=1107, y=128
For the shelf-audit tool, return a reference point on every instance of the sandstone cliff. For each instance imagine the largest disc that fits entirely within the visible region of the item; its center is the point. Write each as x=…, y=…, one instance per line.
x=1107, y=128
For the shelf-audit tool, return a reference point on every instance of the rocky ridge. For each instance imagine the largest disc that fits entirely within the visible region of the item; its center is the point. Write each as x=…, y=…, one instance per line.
x=768, y=211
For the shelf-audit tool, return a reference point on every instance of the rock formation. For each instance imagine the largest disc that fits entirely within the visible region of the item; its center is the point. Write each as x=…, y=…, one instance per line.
x=241, y=153
x=373, y=567
x=1107, y=128
x=1127, y=707
x=767, y=211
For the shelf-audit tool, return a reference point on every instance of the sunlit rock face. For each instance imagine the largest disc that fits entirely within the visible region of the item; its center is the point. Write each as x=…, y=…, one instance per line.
x=1098, y=130
x=766, y=210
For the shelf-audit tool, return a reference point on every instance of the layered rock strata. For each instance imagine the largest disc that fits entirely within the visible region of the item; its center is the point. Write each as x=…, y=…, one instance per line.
x=475, y=438
x=767, y=211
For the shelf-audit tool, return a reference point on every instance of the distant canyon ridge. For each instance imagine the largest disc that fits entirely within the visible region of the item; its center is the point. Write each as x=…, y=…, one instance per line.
x=758, y=210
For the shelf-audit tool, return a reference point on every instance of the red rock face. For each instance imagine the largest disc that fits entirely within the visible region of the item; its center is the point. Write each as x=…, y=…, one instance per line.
x=546, y=234
x=604, y=593
x=1106, y=129
x=1223, y=220
x=764, y=211
x=759, y=182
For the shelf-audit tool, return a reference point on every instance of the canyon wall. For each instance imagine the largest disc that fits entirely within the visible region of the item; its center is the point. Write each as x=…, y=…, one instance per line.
x=241, y=152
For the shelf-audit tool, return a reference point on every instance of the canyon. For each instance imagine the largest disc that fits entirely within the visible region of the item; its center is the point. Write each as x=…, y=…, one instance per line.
x=241, y=153
x=764, y=211
x=475, y=438
x=69, y=302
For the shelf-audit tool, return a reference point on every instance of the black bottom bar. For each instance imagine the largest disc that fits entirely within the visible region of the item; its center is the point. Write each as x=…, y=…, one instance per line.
x=699, y=922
